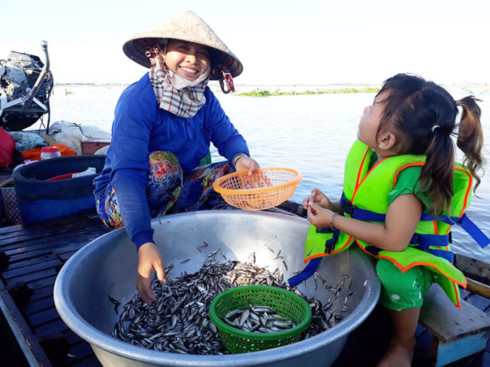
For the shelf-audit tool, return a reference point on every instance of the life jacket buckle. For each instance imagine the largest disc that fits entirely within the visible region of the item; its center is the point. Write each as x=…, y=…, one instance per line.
x=330, y=244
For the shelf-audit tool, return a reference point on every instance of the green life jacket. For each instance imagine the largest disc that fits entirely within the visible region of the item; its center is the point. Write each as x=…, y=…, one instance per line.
x=365, y=197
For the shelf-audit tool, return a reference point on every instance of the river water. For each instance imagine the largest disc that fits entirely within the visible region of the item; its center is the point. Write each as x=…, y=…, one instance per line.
x=310, y=133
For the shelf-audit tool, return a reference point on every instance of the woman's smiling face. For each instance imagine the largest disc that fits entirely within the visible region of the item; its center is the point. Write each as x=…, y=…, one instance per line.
x=187, y=59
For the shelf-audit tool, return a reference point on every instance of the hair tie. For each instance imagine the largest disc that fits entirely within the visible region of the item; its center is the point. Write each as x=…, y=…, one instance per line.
x=434, y=128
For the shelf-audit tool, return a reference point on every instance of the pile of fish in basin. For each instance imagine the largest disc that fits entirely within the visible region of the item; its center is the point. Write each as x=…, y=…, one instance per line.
x=206, y=253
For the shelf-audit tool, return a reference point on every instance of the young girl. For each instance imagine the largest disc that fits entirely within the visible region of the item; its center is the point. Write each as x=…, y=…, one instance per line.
x=402, y=193
x=161, y=135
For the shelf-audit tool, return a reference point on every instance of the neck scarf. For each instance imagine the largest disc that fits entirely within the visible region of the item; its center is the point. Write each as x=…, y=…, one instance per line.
x=175, y=94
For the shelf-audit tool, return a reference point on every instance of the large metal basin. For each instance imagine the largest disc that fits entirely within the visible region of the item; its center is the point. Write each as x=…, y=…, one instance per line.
x=107, y=267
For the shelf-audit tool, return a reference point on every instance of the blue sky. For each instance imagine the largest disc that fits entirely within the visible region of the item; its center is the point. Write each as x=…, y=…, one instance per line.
x=278, y=41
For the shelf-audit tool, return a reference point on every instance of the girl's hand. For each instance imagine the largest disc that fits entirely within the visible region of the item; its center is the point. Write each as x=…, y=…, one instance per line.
x=318, y=197
x=149, y=260
x=246, y=163
x=319, y=216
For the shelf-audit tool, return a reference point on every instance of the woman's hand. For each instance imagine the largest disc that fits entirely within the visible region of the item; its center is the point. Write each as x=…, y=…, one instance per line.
x=149, y=260
x=318, y=197
x=246, y=163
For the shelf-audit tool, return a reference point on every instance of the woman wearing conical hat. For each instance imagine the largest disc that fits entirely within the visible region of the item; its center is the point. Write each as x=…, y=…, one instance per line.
x=163, y=126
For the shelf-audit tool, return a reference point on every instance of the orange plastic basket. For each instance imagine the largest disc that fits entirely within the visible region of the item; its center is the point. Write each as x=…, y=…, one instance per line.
x=264, y=189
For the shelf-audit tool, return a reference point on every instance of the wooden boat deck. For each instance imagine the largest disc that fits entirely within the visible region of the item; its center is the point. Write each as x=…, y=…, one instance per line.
x=30, y=258
x=32, y=255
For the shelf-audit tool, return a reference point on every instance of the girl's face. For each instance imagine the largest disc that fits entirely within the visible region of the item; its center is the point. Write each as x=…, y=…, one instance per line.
x=370, y=120
x=187, y=59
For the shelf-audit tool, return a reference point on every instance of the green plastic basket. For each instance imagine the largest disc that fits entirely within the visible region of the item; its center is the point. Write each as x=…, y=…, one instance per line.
x=285, y=303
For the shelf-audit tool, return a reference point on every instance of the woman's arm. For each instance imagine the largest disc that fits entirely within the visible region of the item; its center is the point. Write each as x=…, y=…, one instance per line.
x=402, y=219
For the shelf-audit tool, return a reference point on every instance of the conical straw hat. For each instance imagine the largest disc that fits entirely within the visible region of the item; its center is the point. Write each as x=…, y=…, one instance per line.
x=186, y=26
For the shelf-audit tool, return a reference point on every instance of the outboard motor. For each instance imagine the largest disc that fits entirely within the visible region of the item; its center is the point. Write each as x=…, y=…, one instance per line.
x=25, y=87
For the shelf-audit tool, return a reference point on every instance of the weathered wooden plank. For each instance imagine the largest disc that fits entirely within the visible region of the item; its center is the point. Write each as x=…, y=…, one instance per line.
x=473, y=268
x=479, y=302
x=34, y=243
x=26, y=339
x=29, y=270
x=61, y=254
x=8, y=230
x=42, y=253
x=449, y=323
x=461, y=348
x=29, y=261
x=42, y=292
x=54, y=224
x=43, y=317
x=38, y=305
x=24, y=259
x=58, y=226
x=63, y=244
x=59, y=237
x=22, y=233
x=20, y=277
x=51, y=328
x=42, y=282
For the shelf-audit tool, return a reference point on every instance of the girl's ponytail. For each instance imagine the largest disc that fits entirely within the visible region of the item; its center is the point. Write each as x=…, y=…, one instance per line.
x=437, y=174
x=470, y=136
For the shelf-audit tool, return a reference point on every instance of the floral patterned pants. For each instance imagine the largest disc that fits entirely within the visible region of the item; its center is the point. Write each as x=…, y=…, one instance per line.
x=169, y=190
